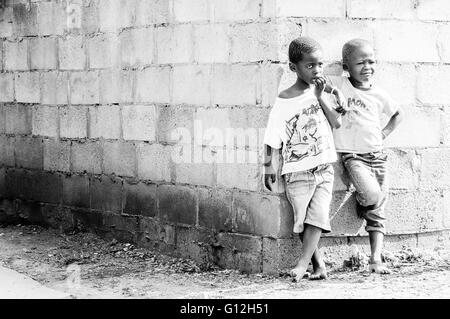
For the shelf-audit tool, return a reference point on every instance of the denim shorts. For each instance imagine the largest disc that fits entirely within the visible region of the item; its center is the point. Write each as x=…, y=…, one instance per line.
x=309, y=193
x=368, y=174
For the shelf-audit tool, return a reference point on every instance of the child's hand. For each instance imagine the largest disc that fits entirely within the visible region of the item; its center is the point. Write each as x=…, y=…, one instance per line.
x=269, y=179
x=319, y=83
x=340, y=99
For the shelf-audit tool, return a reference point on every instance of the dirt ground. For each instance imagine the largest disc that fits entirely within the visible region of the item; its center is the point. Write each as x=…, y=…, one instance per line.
x=86, y=266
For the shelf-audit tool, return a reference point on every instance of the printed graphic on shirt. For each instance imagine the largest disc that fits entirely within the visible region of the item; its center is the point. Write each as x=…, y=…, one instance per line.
x=354, y=106
x=303, y=136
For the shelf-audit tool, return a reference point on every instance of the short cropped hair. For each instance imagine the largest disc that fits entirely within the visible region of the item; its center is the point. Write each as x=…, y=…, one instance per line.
x=351, y=45
x=302, y=45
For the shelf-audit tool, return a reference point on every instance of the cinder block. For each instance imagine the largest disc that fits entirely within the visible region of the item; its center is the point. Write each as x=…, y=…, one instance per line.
x=382, y=9
x=104, y=121
x=123, y=228
x=195, y=244
x=150, y=12
x=27, y=87
x=57, y=217
x=414, y=211
x=177, y=204
x=2, y=119
x=175, y=44
x=72, y=54
x=444, y=43
x=153, y=85
x=88, y=220
x=45, y=121
x=394, y=41
x=343, y=218
x=56, y=155
x=333, y=34
x=109, y=15
x=189, y=79
x=399, y=80
x=119, y=158
x=403, y=169
x=6, y=22
x=271, y=75
x=106, y=194
x=435, y=168
x=241, y=176
x=30, y=211
x=263, y=215
x=6, y=87
x=16, y=55
x=235, y=10
x=7, y=150
x=140, y=199
x=433, y=10
x=137, y=47
x=29, y=152
x=43, y=54
x=433, y=79
x=25, y=19
x=54, y=88
x=212, y=43
x=84, y=88
x=153, y=162
x=305, y=8
x=46, y=187
x=139, y=122
x=237, y=251
x=76, y=191
x=195, y=173
x=446, y=211
x=127, y=13
x=186, y=11
x=51, y=18
x=90, y=17
x=254, y=42
x=116, y=86
x=214, y=209
x=409, y=132
x=73, y=122
x=103, y=51
x=86, y=157
x=173, y=118
x=446, y=127
x=2, y=185
x=19, y=183
x=234, y=84
x=280, y=254
x=18, y=119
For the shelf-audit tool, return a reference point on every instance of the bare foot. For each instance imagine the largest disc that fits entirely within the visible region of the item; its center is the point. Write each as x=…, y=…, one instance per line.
x=320, y=273
x=298, y=273
x=379, y=268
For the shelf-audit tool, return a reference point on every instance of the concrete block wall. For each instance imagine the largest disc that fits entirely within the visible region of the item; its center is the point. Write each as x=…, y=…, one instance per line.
x=143, y=119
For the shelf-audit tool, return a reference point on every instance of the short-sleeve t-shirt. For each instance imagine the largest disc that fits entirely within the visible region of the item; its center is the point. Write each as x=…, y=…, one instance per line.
x=299, y=127
x=360, y=131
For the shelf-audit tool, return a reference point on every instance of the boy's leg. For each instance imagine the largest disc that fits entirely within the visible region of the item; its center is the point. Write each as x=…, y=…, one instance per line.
x=368, y=176
x=319, y=268
x=376, y=246
x=311, y=237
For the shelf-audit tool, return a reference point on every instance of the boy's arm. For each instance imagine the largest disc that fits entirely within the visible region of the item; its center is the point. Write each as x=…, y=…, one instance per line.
x=270, y=174
x=392, y=124
x=333, y=117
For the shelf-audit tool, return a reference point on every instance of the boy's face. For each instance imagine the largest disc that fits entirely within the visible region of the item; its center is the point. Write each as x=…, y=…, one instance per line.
x=361, y=64
x=310, y=67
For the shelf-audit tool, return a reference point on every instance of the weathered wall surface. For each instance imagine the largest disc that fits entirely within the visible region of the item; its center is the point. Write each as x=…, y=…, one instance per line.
x=120, y=116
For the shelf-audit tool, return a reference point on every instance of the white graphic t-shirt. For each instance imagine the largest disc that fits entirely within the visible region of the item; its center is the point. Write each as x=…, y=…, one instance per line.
x=299, y=126
x=360, y=131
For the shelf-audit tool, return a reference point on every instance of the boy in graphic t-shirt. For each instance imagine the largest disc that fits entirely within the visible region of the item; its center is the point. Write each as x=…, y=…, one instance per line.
x=359, y=140
x=299, y=125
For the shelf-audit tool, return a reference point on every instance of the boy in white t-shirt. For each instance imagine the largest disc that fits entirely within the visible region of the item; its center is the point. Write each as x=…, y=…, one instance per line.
x=359, y=140
x=299, y=125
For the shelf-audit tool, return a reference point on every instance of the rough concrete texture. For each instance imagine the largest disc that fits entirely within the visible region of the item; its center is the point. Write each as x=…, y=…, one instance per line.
x=159, y=115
